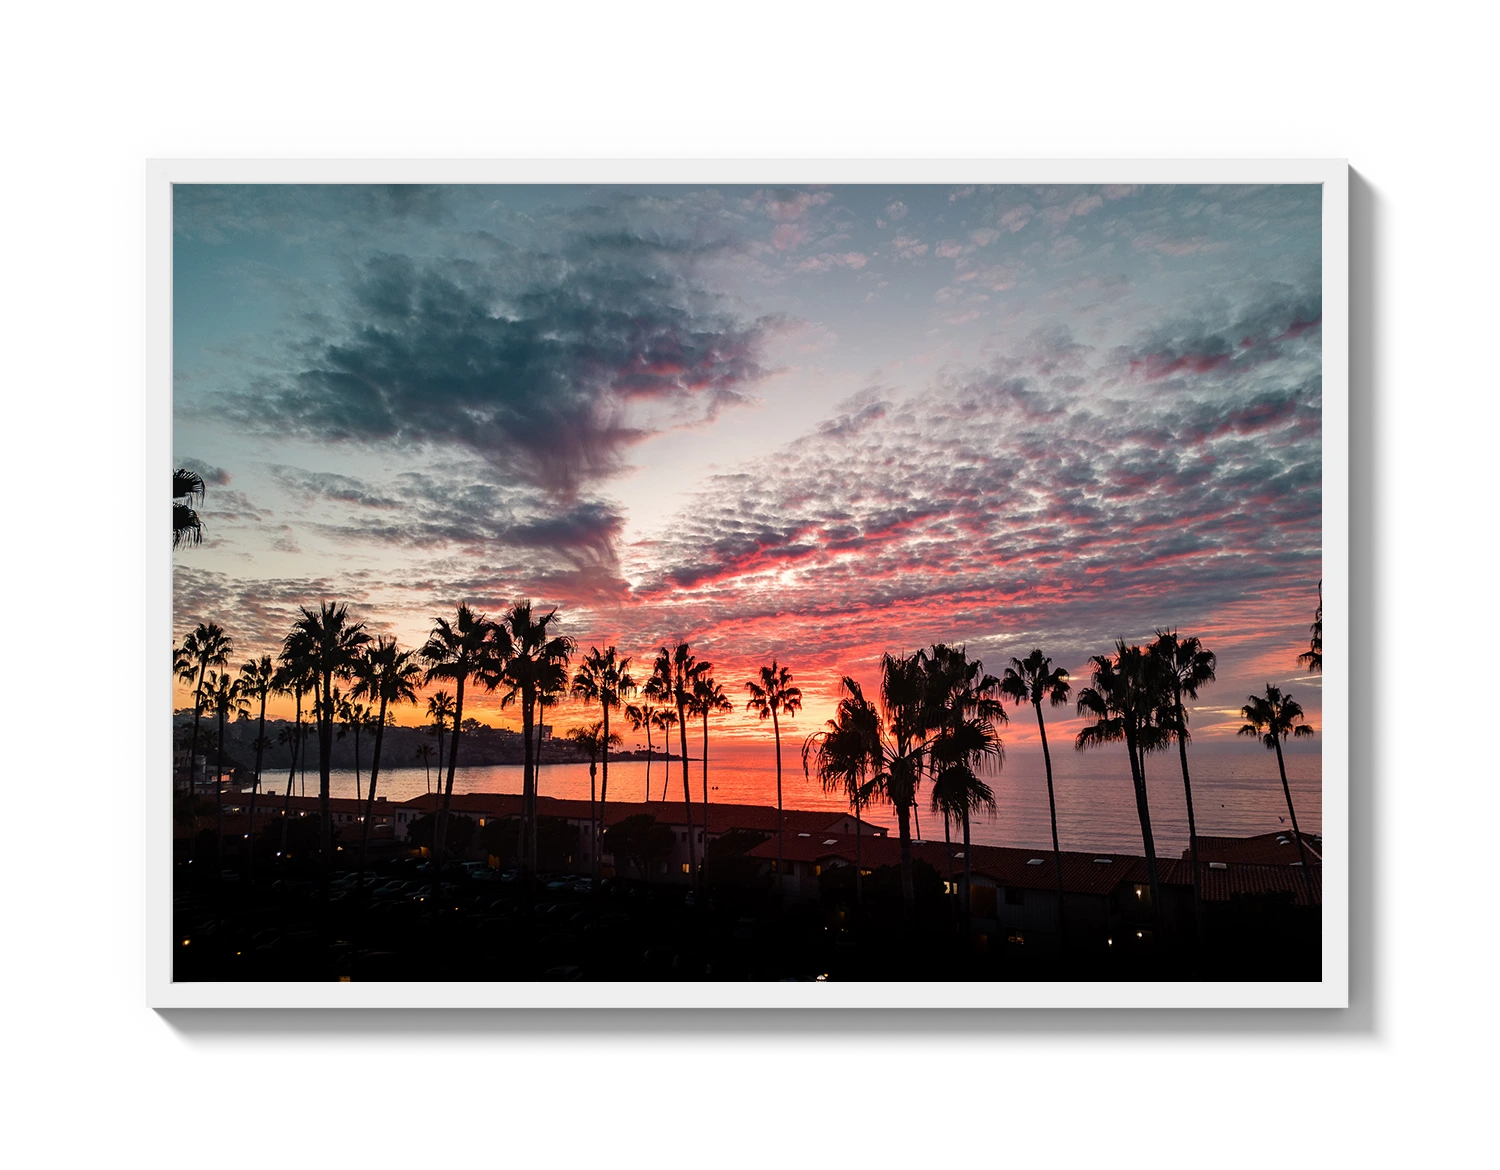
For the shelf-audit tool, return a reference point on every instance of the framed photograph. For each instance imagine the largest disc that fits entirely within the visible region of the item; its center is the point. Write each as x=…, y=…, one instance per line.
x=736, y=584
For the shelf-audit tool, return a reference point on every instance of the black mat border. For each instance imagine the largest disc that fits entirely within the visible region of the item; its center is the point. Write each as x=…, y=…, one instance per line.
x=1367, y=1031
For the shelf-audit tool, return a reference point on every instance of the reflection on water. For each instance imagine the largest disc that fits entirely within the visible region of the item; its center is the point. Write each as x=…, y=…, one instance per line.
x=1235, y=793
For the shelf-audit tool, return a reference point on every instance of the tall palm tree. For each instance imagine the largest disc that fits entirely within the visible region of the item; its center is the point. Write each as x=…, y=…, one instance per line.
x=964, y=709
x=665, y=719
x=536, y=654
x=1272, y=718
x=603, y=678
x=1312, y=657
x=708, y=698
x=355, y=716
x=903, y=696
x=205, y=648
x=1185, y=667
x=671, y=681
x=772, y=695
x=385, y=675
x=187, y=528
x=333, y=642
x=224, y=696
x=424, y=753
x=469, y=647
x=1032, y=680
x=257, y=681
x=1125, y=695
x=845, y=754
x=295, y=677
x=440, y=711
x=642, y=717
x=591, y=741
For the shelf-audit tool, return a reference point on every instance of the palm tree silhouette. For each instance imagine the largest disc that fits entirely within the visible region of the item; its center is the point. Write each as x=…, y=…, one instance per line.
x=424, y=753
x=1125, y=694
x=1271, y=718
x=532, y=662
x=671, y=681
x=642, y=717
x=772, y=695
x=708, y=697
x=257, y=681
x=603, y=678
x=224, y=696
x=355, y=716
x=1185, y=667
x=332, y=643
x=1032, y=680
x=1312, y=658
x=964, y=708
x=591, y=740
x=665, y=719
x=187, y=528
x=440, y=710
x=471, y=646
x=844, y=755
x=903, y=695
x=206, y=647
x=385, y=675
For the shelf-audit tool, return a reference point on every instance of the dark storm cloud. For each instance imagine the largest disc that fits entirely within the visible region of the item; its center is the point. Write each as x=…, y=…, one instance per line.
x=547, y=366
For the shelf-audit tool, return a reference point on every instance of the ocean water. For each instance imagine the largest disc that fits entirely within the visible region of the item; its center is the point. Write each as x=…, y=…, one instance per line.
x=1236, y=791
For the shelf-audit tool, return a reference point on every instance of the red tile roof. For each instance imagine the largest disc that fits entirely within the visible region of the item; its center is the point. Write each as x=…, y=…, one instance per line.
x=1266, y=849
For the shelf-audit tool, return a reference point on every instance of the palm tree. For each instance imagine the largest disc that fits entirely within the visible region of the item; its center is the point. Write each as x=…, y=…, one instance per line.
x=903, y=696
x=844, y=754
x=257, y=681
x=206, y=647
x=708, y=697
x=671, y=681
x=386, y=675
x=1185, y=666
x=1032, y=680
x=642, y=717
x=602, y=678
x=187, y=528
x=424, y=753
x=591, y=740
x=771, y=696
x=332, y=644
x=355, y=716
x=471, y=646
x=534, y=658
x=964, y=708
x=665, y=719
x=224, y=695
x=1123, y=700
x=1312, y=658
x=440, y=711
x=1272, y=718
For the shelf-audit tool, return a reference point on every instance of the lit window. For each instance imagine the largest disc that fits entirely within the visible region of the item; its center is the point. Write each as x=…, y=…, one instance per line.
x=686, y=868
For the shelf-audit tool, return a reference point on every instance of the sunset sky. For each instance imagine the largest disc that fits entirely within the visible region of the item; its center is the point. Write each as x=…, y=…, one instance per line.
x=809, y=423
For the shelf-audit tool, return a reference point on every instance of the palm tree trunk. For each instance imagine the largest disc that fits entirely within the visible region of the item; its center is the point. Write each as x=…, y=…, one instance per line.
x=1296, y=834
x=859, y=863
x=364, y=828
x=1143, y=811
x=325, y=763
x=219, y=795
x=291, y=776
x=593, y=828
x=1052, y=809
x=528, y=779
x=532, y=825
x=780, y=828
x=440, y=827
x=358, y=791
x=705, y=782
x=908, y=892
x=260, y=750
x=1187, y=791
x=193, y=743
x=604, y=778
x=968, y=905
x=687, y=795
x=948, y=849
x=648, y=761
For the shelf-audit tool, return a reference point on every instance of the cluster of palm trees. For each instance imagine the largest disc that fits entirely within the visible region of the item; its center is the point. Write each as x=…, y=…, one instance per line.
x=936, y=719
